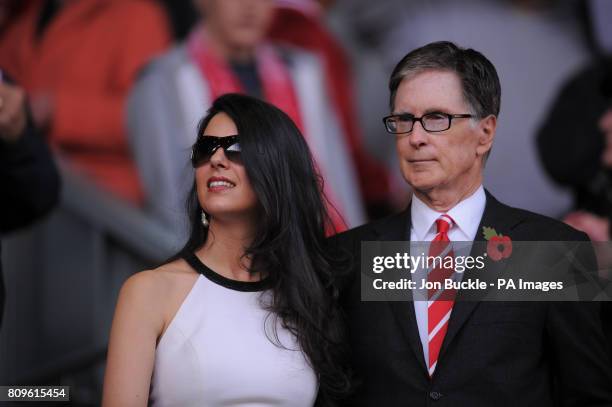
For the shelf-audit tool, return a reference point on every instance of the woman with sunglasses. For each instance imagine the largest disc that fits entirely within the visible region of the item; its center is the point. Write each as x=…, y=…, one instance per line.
x=244, y=314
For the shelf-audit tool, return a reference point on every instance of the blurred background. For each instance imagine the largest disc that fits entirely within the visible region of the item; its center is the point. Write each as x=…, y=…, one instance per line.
x=99, y=102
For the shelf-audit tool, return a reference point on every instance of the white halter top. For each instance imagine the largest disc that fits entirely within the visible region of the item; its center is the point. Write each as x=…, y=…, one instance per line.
x=215, y=351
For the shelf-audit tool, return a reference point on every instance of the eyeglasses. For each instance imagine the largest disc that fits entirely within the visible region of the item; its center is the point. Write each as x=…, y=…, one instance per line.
x=205, y=147
x=432, y=122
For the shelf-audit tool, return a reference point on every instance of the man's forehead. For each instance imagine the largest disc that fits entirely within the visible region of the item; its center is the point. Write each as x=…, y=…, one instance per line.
x=429, y=90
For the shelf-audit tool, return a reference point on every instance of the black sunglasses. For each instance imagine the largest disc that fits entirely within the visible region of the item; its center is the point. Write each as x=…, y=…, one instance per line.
x=205, y=147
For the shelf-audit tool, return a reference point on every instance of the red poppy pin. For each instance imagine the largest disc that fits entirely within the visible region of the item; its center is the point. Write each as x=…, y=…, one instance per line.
x=499, y=246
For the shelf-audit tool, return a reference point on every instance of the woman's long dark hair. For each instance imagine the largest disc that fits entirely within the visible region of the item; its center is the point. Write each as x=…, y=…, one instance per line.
x=289, y=245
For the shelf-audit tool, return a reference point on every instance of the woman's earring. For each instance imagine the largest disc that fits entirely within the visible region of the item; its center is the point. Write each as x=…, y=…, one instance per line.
x=204, y=219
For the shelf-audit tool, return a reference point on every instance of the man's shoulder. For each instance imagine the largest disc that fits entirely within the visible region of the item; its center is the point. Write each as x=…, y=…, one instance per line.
x=371, y=230
x=345, y=247
x=532, y=226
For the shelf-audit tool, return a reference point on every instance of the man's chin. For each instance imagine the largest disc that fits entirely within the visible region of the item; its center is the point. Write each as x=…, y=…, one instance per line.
x=423, y=185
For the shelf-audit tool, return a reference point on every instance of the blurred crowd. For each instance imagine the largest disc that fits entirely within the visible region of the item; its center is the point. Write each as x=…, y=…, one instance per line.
x=116, y=89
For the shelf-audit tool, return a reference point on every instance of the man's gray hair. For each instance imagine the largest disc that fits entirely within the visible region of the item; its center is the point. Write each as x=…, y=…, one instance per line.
x=481, y=88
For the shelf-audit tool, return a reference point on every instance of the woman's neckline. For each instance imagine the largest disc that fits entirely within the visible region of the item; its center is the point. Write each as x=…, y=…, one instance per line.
x=236, y=285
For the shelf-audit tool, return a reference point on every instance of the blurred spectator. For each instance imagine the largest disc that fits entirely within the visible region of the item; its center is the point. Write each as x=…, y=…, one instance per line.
x=29, y=182
x=77, y=60
x=575, y=144
x=228, y=53
x=299, y=23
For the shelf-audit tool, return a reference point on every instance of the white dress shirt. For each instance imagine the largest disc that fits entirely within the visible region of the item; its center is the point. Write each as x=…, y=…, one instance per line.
x=467, y=215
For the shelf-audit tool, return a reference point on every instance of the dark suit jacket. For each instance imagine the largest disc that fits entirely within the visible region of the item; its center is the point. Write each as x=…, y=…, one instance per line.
x=494, y=353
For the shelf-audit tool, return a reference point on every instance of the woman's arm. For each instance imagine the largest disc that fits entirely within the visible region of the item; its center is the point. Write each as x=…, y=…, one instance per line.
x=137, y=324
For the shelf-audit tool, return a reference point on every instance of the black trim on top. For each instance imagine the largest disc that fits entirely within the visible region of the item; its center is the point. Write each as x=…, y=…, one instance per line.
x=246, y=286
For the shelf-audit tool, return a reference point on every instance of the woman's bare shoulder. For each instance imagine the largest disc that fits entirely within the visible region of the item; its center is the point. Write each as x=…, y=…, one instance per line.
x=160, y=286
x=158, y=293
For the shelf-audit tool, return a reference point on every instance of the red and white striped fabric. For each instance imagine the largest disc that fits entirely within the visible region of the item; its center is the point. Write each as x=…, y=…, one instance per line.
x=440, y=302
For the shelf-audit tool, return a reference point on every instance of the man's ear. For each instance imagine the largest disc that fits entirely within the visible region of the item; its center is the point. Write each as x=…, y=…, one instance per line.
x=486, y=134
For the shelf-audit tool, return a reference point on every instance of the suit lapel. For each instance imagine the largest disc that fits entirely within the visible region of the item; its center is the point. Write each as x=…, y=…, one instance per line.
x=398, y=229
x=502, y=219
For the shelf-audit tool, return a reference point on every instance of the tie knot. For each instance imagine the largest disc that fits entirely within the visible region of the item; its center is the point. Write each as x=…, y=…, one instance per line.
x=444, y=223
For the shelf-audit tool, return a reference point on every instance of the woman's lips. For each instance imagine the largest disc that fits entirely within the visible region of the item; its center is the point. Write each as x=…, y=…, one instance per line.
x=216, y=184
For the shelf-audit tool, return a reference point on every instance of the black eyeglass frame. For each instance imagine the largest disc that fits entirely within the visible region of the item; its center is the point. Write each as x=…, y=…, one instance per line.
x=205, y=146
x=414, y=119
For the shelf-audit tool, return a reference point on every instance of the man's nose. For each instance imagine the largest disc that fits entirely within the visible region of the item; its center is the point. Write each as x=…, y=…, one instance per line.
x=418, y=136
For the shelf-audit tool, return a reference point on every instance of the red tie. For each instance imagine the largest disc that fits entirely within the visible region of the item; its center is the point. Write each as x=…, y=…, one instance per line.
x=440, y=302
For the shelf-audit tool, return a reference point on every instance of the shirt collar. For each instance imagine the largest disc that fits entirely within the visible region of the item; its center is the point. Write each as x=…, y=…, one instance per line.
x=466, y=214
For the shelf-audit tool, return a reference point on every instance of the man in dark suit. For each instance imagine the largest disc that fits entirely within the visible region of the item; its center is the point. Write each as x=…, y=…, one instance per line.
x=445, y=102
